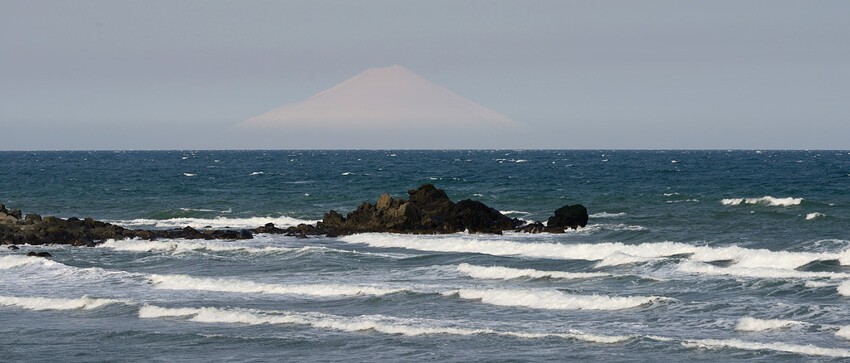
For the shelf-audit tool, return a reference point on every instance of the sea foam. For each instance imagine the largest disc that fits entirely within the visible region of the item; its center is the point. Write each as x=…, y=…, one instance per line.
x=814, y=215
x=185, y=246
x=552, y=299
x=777, y=347
x=186, y=282
x=757, y=325
x=843, y=332
x=14, y=261
x=756, y=272
x=376, y=323
x=766, y=200
x=507, y=273
x=46, y=303
x=844, y=288
x=614, y=252
x=218, y=222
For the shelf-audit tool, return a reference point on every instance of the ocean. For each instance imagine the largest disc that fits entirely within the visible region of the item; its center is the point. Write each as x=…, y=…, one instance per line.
x=688, y=256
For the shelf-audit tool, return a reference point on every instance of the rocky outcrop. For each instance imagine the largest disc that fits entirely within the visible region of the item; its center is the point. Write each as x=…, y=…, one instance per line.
x=568, y=216
x=428, y=210
x=35, y=230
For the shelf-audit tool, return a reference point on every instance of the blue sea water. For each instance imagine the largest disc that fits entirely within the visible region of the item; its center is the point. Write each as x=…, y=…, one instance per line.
x=688, y=255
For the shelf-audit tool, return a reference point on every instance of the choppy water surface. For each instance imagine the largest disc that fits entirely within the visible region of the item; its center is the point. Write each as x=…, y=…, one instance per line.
x=689, y=255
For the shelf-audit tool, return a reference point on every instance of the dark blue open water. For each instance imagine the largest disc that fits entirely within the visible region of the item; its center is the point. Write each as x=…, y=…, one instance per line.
x=689, y=255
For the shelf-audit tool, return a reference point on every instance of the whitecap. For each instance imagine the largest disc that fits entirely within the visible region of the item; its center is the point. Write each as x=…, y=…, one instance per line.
x=766, y=200
x=185, y=246
x=742, y=257
x=507, y=273
x=844, y=288
x=777, y=347
x=756, y=272
x=758, y=325
x=843, y=332
x=814, y=215
x=47, y=303
x=186, y=282
x=607, y=215
x=217, y=222
x=552, y=299
x=347, y=173
x=257, y=173
x=14, y=261
x=371, y=323
x=189, y=174
x=507, y=212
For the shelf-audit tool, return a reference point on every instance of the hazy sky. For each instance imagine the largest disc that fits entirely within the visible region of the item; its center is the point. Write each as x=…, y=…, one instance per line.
x=589, y=74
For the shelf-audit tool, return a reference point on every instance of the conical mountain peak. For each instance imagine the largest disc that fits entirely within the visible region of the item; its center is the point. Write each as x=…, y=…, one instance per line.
x=384, y=97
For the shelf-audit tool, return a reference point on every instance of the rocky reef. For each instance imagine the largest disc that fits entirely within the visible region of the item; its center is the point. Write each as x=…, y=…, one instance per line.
x=427, y=210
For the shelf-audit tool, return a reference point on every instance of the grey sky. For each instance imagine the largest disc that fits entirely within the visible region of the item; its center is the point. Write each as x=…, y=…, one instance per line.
x=590, y=74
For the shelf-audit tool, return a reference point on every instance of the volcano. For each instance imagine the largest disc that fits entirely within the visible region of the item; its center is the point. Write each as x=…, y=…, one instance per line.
x=391, y=97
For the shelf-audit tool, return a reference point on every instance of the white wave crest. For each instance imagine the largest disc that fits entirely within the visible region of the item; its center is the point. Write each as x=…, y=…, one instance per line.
x=844, y=288
x=756, y=272
x=619, y=258
x=218, y=222
x=814, y=215
x=757, y=325
x=186, y=246
x=47, y=303
x=14, y=261
x=552, y=300
x=777, y=347
x=844, y=332
x=186, y=282
x=507, y=212
x=742, y=257
x=607, y=215
x=507, y=273
x=380, y=324
x=766, y=200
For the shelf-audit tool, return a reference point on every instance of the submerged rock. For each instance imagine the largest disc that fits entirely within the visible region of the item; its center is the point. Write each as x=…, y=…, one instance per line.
x=39, y=254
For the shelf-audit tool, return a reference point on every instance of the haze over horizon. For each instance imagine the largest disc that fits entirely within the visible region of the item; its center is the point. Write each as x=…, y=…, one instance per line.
x=96, y=74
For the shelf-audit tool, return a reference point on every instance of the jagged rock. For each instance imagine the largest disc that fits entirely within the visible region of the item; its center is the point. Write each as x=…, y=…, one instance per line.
x=568, y=216
x=39, y=254
x=269, y=228
x=429, y=210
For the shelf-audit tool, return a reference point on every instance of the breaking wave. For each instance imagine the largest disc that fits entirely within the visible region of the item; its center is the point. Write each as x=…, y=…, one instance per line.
x=218, y=222
x=814, y=215
x=185, y=246
x=14, y=261
x=757, y=325
x=610, y=253
x=756, y=272
x=47, y=303
x=507, y=273
x=607, y=215
x=766, y=200
x=552, y=300
x=186, y=282
x=377, y=323
x=777, y=347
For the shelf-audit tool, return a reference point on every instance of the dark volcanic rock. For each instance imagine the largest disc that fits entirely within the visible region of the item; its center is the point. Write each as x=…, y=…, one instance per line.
x=568, y=216
x=39, y=254
x=429, y=210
